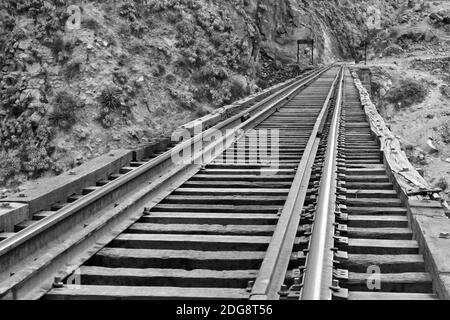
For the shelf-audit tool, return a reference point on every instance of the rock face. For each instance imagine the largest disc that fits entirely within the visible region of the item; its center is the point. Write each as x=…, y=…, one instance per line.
x=150, y=66
x=337, y=27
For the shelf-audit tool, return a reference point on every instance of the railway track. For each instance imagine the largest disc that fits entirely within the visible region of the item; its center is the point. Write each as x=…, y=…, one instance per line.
x=374, y=224
x=289, y=200
x=209, y=237
x=375, y=256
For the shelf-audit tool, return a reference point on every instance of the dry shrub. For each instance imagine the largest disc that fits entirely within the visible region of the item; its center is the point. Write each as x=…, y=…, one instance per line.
x=64, y=106
x=407, y=93
x=442, y=184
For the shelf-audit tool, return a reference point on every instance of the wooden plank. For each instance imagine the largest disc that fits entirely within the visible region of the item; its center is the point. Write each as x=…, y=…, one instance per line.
x=216, y=208
x=376, y=210
x=237, y=184
x=210, y=218
x=256, y=172
x=419, y=282
x=256, y=230
x=164, y=277
x=354, y=295
x=374, y=202
x=161, y=273
x=178, y=259
x=280, y=162
x=380, y=233
x=242, y=177
x=371, y=246
x=387, y=263
x=191, y=242
x=369, y=185
x=283, y=147
x=260, y=163
x=365, y=171
x=143, y=293
x=362, y=193
x=363, y=150
x=230, y=191
x=366, y=179
x=235, y=200
x=367, y=221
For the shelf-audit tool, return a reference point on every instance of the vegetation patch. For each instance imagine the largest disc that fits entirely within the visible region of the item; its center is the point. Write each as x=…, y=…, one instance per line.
x=91, y=23
x=64, y=106
x=446, y=131
x=442, y=184
x=407, y=93
x=111, y=104
x=72, y=69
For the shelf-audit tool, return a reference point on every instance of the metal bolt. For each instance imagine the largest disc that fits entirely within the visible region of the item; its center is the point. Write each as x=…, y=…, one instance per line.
x=57, y=283
x=336, y=283
x=250, y=286
x=284, y=292
x=279, y=211
x=296, y=273
x=147, y=210
x=444, y=235
x=296, y=287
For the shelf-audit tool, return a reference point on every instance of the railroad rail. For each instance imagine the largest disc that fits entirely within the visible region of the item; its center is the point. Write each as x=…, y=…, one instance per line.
x=289, y=199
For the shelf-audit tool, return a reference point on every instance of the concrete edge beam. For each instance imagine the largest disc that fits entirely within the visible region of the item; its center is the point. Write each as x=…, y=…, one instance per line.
x=430, y=228
x=444, y=282
x=11, y=214
x=146, y=151
x=40, y=195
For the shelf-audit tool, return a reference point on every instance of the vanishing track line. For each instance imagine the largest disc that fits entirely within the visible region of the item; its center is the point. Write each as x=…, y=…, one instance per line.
x=209, y=237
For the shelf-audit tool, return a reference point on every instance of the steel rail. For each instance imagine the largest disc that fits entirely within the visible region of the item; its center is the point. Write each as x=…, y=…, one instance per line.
x=272, y=272
x=106, y=220
x=271, y=275
x=319, y=266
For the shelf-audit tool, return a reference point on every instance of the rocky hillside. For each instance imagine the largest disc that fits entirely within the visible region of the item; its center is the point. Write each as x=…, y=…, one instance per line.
x=79, y=78
x=338, y=27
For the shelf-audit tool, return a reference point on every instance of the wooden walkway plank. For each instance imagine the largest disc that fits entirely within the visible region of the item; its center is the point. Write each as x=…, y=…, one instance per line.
x=144, y=293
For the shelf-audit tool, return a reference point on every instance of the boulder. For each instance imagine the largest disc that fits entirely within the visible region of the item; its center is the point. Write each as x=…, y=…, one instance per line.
x=445, y=90
x=393, y=50
x=35, y=118
x=429, y=147
x=435, y=17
